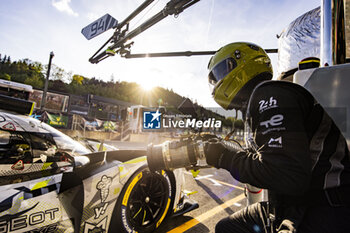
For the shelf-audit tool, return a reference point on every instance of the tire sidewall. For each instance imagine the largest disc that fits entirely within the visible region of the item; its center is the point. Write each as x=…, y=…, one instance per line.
x=120, y=221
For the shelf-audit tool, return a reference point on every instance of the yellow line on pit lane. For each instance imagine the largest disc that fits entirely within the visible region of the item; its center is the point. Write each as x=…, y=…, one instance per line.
x=201, y=218
x=220, y=182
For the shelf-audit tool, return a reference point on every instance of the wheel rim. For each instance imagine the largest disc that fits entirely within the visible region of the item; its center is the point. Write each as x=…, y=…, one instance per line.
x=147, y=200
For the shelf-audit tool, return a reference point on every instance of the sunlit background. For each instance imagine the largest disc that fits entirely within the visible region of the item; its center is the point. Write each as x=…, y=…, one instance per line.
x=31, y=29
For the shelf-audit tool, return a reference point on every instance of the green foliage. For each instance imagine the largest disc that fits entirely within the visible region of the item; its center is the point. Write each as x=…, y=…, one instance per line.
x=239, y=124
x=5, y=76
x=236, y=123
x=56, y=73
x=35, y=82
x=58, y=85
x=77, y=79
x=34, y=73
x=23, y=71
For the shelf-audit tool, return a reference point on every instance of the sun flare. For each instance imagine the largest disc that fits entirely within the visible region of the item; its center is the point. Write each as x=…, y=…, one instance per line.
x=147, y=86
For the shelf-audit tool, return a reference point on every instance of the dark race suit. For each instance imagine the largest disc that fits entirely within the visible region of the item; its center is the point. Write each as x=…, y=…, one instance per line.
x=301, y=157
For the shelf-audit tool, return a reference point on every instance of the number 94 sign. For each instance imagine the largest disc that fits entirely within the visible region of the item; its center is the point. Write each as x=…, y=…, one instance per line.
x=99, y=26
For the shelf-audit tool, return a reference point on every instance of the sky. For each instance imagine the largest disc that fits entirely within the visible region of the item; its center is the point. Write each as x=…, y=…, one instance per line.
x=32, y=29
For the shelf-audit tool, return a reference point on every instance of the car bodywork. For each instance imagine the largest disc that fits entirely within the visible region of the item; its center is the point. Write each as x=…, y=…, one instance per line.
x=61, y=188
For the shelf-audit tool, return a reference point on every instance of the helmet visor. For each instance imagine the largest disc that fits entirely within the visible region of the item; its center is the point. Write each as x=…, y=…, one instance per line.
x=221, y=70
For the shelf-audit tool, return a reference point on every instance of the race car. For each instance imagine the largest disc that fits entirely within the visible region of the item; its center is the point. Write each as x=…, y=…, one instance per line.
x=97, y=145
x=52, y=183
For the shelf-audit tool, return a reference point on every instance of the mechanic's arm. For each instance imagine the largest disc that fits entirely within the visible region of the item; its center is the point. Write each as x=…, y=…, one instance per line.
x=283, y=161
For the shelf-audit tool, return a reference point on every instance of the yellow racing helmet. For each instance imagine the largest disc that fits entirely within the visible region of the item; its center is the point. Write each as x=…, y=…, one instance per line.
x=235, y=70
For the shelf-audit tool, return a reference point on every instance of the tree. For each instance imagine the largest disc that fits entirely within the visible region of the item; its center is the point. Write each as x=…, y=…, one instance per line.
x=232, y=119
x=77, y=79
x=57, y=73
x=58, y=85
x=239, y=124
x=19, y=77
x=33, y=73
x=35, y=81
x=5, y=76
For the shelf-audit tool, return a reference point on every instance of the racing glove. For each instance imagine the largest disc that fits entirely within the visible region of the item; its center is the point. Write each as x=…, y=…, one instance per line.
x=287, y=226
x=218, y=152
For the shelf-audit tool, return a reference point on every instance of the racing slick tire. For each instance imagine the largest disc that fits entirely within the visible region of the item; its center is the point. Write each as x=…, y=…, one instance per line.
x=146, y=199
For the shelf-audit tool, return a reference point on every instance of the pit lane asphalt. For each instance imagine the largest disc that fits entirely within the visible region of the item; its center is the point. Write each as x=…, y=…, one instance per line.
x=218, y=196
x=216, y=192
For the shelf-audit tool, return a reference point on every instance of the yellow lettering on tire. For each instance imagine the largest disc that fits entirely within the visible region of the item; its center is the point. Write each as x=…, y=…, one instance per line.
x=164, y=214
x=130, y=187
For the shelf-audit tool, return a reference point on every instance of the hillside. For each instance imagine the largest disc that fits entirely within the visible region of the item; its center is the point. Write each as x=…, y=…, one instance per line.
x=33, y=73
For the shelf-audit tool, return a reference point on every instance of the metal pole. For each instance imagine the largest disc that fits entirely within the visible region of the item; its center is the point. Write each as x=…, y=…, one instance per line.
x=135, y=13
x=183, y=53
x=326, y=33
x=43, y=100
